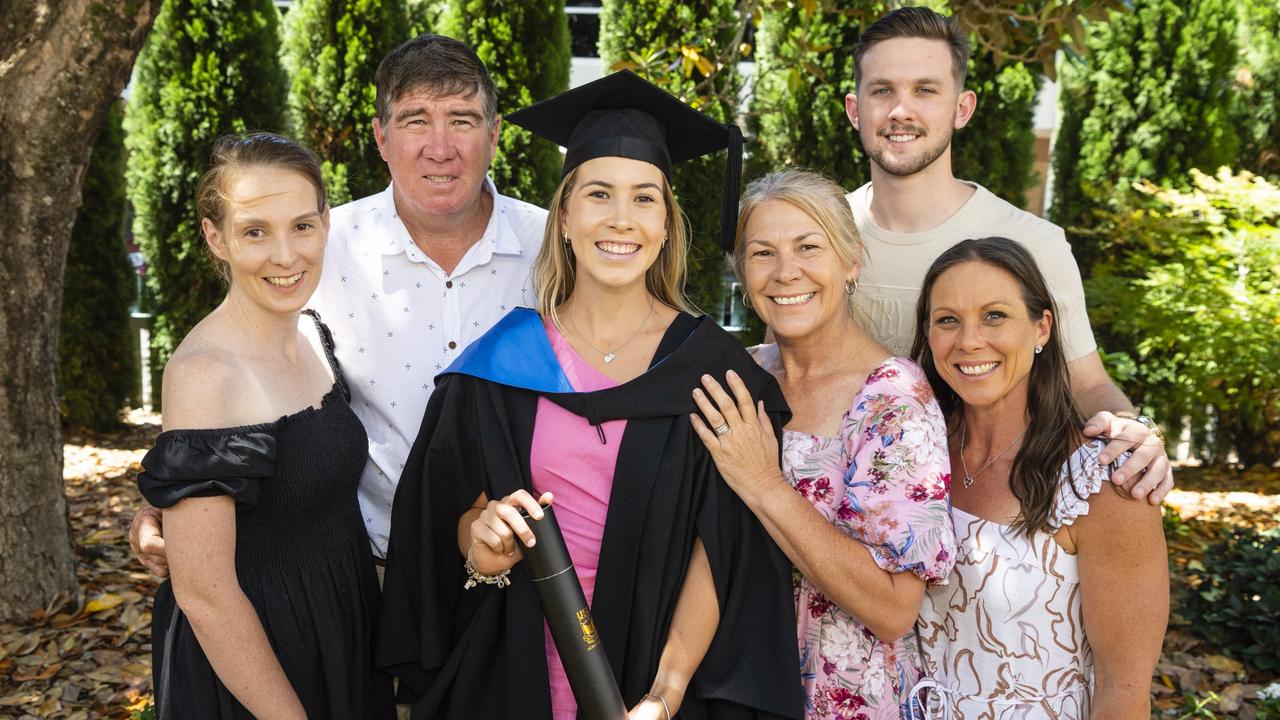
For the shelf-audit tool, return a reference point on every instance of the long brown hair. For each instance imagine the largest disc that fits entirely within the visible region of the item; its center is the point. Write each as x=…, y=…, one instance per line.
x=1055, y=422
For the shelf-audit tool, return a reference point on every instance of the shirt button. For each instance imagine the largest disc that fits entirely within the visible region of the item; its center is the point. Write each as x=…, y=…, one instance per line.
x=448, y=283
x=452, y=345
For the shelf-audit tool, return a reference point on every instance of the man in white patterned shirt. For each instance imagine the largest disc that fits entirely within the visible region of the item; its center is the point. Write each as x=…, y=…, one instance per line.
x=416, y=272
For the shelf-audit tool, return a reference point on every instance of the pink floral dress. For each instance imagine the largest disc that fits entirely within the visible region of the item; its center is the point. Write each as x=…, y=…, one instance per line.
x=884, y=480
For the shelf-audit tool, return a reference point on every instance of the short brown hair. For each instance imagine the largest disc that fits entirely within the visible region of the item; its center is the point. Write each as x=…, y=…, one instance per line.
x=441, y=65
x=262, y=149
x=916, y=22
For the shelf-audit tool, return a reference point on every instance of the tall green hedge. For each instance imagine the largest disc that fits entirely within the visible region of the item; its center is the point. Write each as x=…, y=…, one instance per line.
x=662, y=40
x=209, y=67
x=97, y=365
x=332, y=50
x=1150, y=101
x=804, y=69
x=525, y=45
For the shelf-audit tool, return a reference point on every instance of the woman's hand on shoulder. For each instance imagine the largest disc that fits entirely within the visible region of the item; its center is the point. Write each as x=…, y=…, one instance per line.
x=499, y=532
x=739, y=435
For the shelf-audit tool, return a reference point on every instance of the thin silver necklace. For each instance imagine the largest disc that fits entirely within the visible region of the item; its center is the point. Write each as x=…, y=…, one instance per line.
x=970, y=477
x=609, y=356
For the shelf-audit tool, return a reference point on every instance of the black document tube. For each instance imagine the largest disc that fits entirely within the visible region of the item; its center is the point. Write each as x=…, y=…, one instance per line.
x=574, y=632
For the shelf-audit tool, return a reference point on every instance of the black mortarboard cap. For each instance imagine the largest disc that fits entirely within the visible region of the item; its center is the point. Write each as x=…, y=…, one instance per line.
x=624, y=115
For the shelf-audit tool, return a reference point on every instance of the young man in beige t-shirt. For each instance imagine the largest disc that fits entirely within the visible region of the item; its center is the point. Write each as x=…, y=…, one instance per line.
x=908, y=101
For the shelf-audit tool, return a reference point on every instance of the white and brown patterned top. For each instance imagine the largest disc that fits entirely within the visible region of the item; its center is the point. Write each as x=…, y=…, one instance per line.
x=1005, y=637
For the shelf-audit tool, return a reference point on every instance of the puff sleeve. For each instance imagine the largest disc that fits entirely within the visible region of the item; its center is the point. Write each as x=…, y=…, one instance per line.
x=205, y=463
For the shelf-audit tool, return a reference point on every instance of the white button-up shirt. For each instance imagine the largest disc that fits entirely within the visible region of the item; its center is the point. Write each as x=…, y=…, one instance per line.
x=398, y=319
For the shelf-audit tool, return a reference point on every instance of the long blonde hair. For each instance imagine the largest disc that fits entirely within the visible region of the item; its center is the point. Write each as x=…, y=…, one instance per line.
x=553, y=271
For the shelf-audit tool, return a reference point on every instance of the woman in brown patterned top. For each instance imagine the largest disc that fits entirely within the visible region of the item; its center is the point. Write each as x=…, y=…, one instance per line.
x=1059, y=599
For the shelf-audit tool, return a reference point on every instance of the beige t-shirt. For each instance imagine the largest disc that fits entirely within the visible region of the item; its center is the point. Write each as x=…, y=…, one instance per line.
x=890, y=281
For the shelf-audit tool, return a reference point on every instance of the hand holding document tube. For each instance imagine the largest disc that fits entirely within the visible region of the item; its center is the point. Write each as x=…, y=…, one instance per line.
x=565, y=607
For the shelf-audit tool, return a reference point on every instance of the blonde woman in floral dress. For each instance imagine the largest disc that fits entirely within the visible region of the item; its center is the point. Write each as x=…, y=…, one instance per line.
x=860, y=502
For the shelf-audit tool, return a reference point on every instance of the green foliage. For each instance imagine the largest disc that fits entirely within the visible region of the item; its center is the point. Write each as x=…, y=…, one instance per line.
x=1150, y=101
x=1258, y=87
x=804, y=69
x=525, y=45
x=1235, y=603
x=1189, y=290
x=424, y=15
x=97, y=365
x=671, y=44
x=147, y=713
x=209, y=67
x=331, y=50
x=997, y=148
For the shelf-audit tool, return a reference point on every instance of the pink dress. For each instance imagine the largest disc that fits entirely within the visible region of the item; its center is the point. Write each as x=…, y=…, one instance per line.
x=569, y=460
x=883, y=480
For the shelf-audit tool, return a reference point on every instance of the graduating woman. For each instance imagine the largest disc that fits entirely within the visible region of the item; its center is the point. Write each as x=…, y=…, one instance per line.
x=586, y=402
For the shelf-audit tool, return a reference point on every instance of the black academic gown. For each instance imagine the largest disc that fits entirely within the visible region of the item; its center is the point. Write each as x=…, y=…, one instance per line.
x=479, y=653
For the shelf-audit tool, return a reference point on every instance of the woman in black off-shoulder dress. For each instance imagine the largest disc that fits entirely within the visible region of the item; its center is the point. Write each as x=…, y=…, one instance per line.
x=300, y=554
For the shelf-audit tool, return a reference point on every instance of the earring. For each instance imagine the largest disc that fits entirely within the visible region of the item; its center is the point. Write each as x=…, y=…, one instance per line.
x=565, y=237
x=1039, y=347
x=746, y=299
x=850, y=287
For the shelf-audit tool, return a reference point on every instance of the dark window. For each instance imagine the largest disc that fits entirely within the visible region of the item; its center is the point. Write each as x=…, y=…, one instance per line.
x=584, y=26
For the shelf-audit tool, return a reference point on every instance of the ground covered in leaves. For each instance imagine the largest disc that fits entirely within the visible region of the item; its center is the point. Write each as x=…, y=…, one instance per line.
x=90, y=656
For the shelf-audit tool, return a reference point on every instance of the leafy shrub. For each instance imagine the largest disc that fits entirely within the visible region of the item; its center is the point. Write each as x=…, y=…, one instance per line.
x=1187, y=297
x=1235, y=603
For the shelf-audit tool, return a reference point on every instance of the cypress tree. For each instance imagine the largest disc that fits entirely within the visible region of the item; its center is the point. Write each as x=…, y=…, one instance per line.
x=666, y=42
x=208, y=68
x=97, y=365
x=331, y=50
x=1151, y=100
x=526, y=48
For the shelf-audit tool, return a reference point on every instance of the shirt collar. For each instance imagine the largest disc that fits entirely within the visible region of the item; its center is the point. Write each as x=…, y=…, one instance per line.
x=499, y=236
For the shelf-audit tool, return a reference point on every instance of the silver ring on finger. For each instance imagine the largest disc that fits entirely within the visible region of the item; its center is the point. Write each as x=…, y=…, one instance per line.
x=722, y=430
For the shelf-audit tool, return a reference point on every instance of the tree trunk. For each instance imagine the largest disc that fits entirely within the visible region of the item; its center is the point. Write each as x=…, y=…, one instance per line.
x=62, y=63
